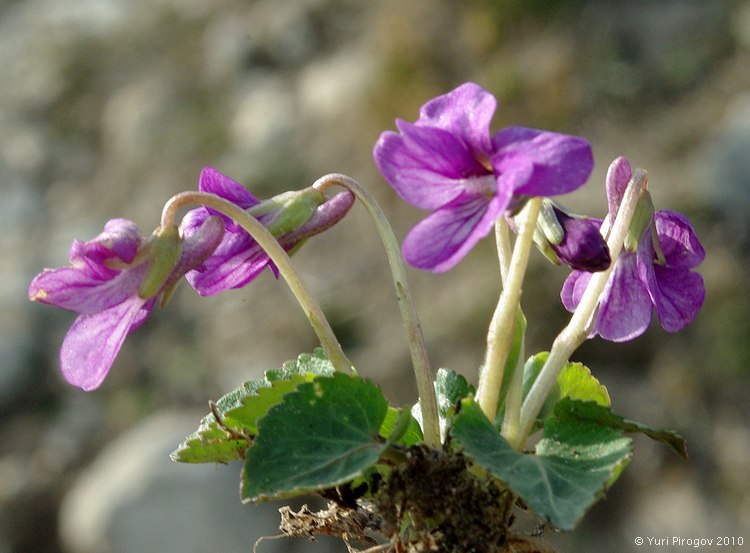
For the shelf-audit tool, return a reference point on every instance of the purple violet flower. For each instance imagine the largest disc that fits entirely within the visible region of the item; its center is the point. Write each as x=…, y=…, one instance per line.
x=647, y=278
x=448, y=163
x=292, y=217
x=104, y=285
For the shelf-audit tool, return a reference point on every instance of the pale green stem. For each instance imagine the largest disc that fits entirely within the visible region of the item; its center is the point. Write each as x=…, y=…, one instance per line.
x=575, y=333
x=409, y=316
x=280, y=258
x=513, y=401
x=504, y=251
x=514, y=395
x=500, y=335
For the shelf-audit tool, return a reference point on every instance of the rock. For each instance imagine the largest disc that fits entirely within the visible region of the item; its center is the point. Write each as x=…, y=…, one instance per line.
x=19, y=214
x=134, y=499
x=725, y=165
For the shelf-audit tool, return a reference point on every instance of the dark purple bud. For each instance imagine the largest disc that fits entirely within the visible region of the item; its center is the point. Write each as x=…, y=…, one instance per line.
x=582, y=246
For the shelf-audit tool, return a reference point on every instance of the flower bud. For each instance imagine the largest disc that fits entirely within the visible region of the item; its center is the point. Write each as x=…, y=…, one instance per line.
x=287, y=211
x=291, y=217
x=327, y=214
x=571, y=239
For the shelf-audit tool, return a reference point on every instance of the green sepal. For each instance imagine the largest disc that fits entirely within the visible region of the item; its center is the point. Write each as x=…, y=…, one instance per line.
x=574, y=464
x=164, y=250
x=548, y=223
x=588, y=411
x=643, y=218
x=290, y=209
x=225, y=434
x=324, y=434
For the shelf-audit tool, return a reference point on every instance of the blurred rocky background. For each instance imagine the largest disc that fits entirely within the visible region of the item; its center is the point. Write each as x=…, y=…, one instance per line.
x=108, y=107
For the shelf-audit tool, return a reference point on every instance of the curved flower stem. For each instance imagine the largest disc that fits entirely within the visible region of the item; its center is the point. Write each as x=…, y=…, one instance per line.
x=278, y=255
x=500, y=335
x=409, y=316
x=574, y=334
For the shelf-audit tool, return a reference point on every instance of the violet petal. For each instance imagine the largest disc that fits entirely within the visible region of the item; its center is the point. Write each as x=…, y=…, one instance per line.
x=618, y=177
x=678, y=240
x=573, y=289
x=234, y=263
x=94, y=340
x=561, y=162
x=77, y=290
x=465, y=112
x=213, y=182
x=442, y=239
x=678, y=298
x=625, y=309
x=426, y=166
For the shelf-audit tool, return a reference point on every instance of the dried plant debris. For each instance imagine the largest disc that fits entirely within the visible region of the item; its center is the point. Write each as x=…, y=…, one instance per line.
x=351, y=525
x=409, y=512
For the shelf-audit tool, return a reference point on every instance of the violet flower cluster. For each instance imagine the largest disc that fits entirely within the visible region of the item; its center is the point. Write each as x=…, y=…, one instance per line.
x=116, y=278
x=448, y=163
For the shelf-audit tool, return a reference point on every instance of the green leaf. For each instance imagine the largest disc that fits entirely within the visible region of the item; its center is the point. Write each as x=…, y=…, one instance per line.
x=406, y=436
x=574, y=410
x=450, y=387
x=215, y=441
x=574, y=464
x=225, y=434
x=321, y=435
x=210, y=444
x=574, y=381
x=245, y=417
x=315, y=363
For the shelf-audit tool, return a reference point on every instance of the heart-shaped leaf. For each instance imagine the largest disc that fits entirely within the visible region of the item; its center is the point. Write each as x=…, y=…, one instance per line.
x=225, y=434
x=324, y=434
x=575, y=462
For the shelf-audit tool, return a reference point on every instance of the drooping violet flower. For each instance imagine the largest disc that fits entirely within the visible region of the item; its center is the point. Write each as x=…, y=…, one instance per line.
x=291, y=217
x=571, y=239
x=448, y=163
x=657, y=275
x=113, y=283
